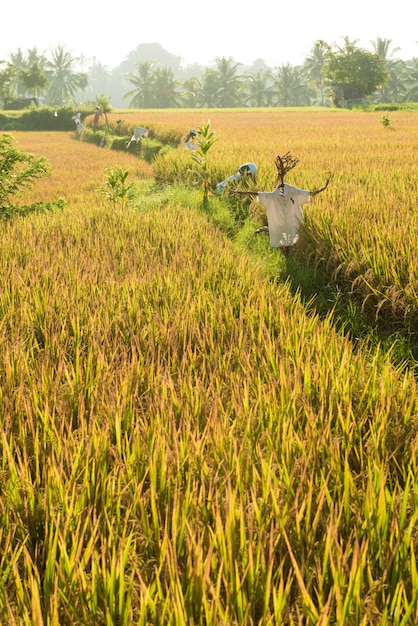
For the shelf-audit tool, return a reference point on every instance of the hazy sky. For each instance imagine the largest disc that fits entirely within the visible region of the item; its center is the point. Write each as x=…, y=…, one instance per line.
x=275, y=31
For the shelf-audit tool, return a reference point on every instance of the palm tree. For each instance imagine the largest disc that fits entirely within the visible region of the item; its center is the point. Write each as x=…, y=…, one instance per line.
x=348, y=44
x=396, y=88
x=64, y=81
x=143, y=81
x=99, y=79
x=394, y=69
x=290, y=87
x=34, y=78
x=83, y=61
x=7, y=82
x=17, y=60
x=34, y=55
x=412, y=80
x=165, y=88
x=29, y=72
x=229, y=83
x=313, y=66
x=189, y=92
x=259, y=89
x=207, y=89
x=382, y=48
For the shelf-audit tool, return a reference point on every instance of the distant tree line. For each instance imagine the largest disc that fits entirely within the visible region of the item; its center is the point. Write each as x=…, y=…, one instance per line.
x=153, y=78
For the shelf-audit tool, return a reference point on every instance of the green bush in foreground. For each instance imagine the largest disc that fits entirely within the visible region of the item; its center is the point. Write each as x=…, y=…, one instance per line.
x=19, y=170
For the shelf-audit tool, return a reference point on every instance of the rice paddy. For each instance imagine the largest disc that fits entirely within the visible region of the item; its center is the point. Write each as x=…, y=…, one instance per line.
x=183, y=442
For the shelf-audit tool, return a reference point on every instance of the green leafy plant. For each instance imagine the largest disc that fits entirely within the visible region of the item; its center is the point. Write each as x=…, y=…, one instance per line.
x=385, y=120
x=19, y=170
x=116, y=189
x=205, y=140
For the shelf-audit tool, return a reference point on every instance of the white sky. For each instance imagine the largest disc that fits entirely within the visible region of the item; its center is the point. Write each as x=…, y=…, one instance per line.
x=275, y=31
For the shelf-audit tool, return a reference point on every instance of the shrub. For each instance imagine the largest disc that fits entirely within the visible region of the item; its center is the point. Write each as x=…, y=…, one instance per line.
x=19, y=170
x=386, y=107
x=116, y=189
x=91, y=136
x=45, y=118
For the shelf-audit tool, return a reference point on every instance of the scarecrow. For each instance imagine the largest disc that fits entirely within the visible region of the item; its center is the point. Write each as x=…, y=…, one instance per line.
x=283, y=205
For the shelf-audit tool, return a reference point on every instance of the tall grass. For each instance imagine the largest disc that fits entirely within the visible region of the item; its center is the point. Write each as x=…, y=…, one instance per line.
x=182, y=443
x=363, y=230
x=78, y=168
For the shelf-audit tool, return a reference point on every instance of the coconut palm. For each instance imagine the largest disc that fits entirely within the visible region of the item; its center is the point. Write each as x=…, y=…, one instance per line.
x=64, y=82
x=34, y=78
x=29, y=72
x=165, y=88
x=229, y=82
x=290, y=86
x=33, y=54
x=18, y=62
x=348, y=44
x=7, y=82
x=393, y=86
x=412, y=80
x=143, y=82
x=99, y=79
x=313, y=66
x=189, y=92
x=259, y=89
x=382, y=48
x=206, y=89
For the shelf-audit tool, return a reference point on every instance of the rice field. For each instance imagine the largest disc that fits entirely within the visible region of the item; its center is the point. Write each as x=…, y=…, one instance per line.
x=77, y=168
x=364, y=228
x=182, y=442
